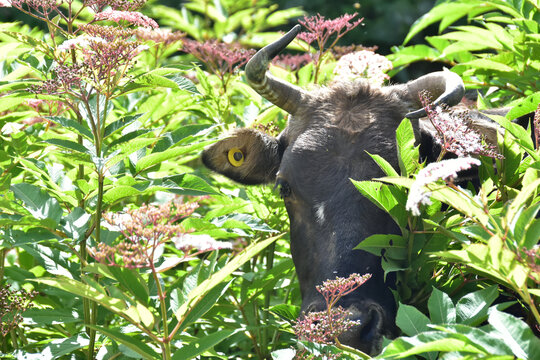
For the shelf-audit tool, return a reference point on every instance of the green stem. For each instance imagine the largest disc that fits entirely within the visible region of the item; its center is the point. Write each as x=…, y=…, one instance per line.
x=2, y=261
x=163, y=305
x=352, y=350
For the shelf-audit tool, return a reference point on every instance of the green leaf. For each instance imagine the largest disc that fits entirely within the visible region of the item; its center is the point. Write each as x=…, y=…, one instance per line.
x=76, y=223
x=449, y=11
x=184, y=83
x=123, y=150
x=207, y=285
x=132, y=343
x=59, y=347
x=448, y=196
x=159, y=157
x=384, y=165
x=524, y=106
x=472, y=309
x=138, y=314
x=441, y=308
x=393, y=246
x=516, y=334
x=40, y=204
x=119, y=124
x=73, y=125
x=410, y=320
x=49, y=316
x=205, y=304
x=199, y=346
x=132, y=281
x=522, y=197
x=68, y=144
x=388, y=198
x=286, y=312
x=407, y=153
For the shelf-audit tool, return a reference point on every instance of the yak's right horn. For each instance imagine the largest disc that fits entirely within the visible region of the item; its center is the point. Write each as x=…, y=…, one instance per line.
x=282, y=94
x=445, y=85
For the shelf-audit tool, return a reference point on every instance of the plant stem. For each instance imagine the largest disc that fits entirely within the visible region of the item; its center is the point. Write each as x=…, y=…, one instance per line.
x=163, y=305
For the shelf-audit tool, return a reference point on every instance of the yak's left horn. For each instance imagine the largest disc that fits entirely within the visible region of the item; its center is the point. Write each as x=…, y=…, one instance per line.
x=445, y=85
x=282, y=94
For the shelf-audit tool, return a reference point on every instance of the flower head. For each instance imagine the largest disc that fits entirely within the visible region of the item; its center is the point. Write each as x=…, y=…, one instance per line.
x=124, y=5
x=454, y=131
x=42, y=7
x=321, y=29
x=292, y=62
x=159, y=36
x=133, y=17
x=333, y=290
x=5, y=3
x=441, y=170
x=12, y=304
x=363, y=64
x=220, y=58
x=324, y=326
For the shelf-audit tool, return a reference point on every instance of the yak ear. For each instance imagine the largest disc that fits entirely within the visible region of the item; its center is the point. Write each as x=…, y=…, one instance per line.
x=247, y=156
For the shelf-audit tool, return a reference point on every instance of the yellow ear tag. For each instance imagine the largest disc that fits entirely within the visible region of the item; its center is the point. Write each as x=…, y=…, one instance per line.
x=236, y=157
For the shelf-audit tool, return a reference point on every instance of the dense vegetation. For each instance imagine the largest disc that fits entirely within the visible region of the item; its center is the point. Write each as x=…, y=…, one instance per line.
x=116, y=243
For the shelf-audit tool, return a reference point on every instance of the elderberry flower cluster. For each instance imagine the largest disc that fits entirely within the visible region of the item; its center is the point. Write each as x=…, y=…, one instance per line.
x=41, y=7
x=12, y=304
x=132, y=17
x=333, y=290
x=220, y=58
x=105, y=54
x=123, y=5
x=144, y=232
x=442, y=170
x=159, y=36
x=454, y=132
x=321, y=30
x=363, y=64
x=326, y=326
x=292, y=62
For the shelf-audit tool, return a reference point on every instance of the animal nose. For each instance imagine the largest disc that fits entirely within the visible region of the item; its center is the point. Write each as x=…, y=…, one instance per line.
x=368, y=335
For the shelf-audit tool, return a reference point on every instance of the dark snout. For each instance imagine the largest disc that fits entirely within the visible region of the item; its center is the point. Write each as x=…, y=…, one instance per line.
x=374, y=324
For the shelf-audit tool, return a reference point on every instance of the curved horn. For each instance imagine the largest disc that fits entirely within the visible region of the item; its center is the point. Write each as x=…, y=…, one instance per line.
x=446, y=85
x=282, y=94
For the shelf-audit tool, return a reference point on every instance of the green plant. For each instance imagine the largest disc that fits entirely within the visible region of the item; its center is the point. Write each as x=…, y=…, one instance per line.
x=454, y=330
x=499, y=47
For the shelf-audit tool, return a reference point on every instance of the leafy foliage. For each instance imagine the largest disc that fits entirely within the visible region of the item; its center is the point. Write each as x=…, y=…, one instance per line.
x=101, y=124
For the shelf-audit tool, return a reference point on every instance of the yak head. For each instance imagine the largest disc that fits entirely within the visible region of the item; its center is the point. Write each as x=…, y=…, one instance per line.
x=325, y=144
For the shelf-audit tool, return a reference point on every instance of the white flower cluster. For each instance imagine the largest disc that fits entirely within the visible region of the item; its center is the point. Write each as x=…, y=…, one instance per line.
x=363, y=64
x=440, y=170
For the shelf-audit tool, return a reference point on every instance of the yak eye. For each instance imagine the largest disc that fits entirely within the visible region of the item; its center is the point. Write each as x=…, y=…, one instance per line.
x=236, y=157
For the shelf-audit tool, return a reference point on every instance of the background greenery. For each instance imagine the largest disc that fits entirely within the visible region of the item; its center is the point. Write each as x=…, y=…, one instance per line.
x=468, y=273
